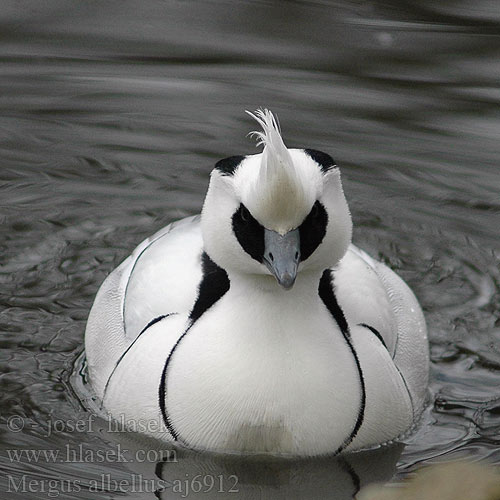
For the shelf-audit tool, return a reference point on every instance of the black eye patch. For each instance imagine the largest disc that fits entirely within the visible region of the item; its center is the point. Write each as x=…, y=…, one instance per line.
x=312, y=230
x=249, y=233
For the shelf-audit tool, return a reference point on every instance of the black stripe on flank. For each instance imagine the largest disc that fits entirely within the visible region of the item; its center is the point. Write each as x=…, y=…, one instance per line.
x=325, y=161
x=214, y=284
x=328, y=297
x=249, y=233
x=154, y=321
x=151, y=323
x=375, y=332
x=228, y=166
x=312, y=230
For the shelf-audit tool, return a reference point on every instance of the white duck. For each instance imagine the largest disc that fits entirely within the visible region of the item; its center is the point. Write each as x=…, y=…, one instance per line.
x=258, y=327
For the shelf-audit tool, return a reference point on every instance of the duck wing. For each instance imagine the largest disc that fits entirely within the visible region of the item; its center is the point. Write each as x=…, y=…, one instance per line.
x=159, y=279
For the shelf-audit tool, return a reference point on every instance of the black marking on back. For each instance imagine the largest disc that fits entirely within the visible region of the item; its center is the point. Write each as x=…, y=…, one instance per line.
x=214, y=284
x=227, y=166
x=312, y=230
x=375, y=332
x=151, y=323
x=325, y=161
x=249, y=233
x=328, y=297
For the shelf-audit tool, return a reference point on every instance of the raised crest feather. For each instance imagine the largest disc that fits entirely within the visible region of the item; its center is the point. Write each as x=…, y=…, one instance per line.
x=275, y=155
x=269, y=124
x=278, y=194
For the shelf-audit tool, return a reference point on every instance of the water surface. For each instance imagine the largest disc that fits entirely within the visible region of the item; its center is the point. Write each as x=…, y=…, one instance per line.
x=112, y=115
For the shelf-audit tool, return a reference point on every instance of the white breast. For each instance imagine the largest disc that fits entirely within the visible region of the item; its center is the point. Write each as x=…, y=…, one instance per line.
x=234, y=385
x=290, y=388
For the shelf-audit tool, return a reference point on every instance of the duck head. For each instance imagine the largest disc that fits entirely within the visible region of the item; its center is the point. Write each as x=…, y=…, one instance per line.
x=281, y=212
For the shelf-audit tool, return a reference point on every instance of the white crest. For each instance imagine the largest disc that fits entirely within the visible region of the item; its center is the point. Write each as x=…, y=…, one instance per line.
x=279, y=196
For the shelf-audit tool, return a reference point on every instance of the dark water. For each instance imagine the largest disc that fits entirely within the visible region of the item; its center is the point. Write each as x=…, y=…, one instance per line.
x=111, y=116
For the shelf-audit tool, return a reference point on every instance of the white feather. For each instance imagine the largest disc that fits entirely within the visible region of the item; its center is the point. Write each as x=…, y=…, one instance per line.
x=280, y=197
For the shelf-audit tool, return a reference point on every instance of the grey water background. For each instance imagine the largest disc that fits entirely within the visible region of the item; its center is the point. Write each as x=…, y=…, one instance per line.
x=112, y=114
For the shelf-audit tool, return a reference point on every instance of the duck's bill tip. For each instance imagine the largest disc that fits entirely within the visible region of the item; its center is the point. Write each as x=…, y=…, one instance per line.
x=286, y=281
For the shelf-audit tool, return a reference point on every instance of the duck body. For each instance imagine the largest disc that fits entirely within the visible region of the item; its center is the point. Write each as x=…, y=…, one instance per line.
x=184, y=345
